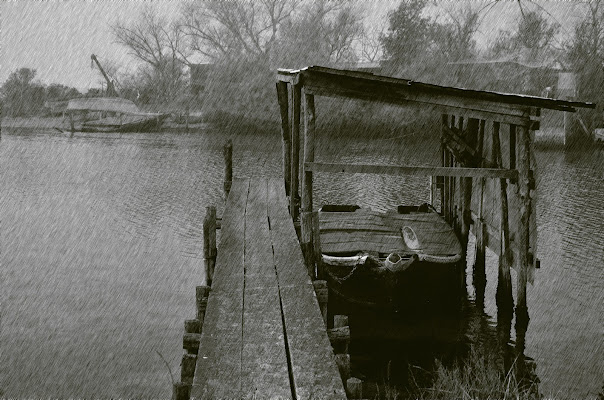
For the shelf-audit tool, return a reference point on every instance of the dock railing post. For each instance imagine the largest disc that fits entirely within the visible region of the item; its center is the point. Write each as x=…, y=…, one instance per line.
x=228, y=167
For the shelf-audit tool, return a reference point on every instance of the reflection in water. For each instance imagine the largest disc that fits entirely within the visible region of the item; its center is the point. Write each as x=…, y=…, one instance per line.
x=101, y=240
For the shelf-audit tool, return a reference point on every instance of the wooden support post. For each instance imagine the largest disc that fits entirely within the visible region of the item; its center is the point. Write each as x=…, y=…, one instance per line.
x=193, y=325
x=228, y=167
x=309, y=150
x=209, y=243
x=71, y=123
x=513, y=136
x=322, y=291
x=201, y=300
x=354, y=388
x=285, y=133
x=340, y=321
x=343, y=362
x=190, y=342
x=306, y=242
x=444, y=194
x=187, y=368
x=340, y=334
x=505, y=301
x=295, y=154
x=524, y=183
x=479, y=272
x=340, y=339
x=181, y=391
x=316, y=245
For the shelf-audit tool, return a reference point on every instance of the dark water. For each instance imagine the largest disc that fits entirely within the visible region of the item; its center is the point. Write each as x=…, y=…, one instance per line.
x=102, y=243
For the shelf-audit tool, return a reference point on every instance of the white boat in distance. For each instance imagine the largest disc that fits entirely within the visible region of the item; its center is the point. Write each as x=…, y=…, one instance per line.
x=109, y=114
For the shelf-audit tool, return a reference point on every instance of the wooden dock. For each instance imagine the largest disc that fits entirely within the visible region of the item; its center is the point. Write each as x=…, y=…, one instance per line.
x=263, y=333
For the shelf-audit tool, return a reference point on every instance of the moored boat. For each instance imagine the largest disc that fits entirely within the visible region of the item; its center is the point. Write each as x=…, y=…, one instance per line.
x=404, y=258
x=109, y=114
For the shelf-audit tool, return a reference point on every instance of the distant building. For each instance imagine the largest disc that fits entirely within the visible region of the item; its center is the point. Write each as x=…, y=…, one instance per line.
x=537, y=75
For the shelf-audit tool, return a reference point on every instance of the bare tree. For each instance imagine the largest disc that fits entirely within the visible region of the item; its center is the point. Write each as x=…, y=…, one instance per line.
x=370, y=43
x=455, y=37
x=160, y=44
x=586, y=57
x=242, y=28
x=321, y=33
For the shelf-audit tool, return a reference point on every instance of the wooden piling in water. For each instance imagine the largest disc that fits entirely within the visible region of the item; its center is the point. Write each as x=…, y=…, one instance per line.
x=321, y=291
x=187, y=368
x=228, y=167
x=181, y=391
x=201, y=300
x=193, y=326
x=354, y=388
x=209, y=243
x=190, y=342
x=505, y=301
x=339, y=335
x=524, y=182
x=479, y=272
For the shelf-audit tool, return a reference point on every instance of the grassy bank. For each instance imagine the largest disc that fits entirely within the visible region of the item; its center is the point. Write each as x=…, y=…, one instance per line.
x=478, y=376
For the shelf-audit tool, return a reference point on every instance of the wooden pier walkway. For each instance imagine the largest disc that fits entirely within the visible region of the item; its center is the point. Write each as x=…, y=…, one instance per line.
x=263, y=333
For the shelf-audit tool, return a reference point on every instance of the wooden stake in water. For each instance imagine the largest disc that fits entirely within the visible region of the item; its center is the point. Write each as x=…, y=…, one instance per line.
x=228, y=167
x=209, y=243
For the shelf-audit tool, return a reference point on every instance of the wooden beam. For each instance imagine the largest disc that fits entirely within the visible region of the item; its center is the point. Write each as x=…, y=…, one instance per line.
x=412, y=170
x=492, y=114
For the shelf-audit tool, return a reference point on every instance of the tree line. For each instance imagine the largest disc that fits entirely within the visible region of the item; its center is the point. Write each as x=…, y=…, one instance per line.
x=243, y=42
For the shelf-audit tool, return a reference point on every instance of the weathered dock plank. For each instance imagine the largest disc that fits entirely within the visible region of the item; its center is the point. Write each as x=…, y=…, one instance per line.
x=313, y=368
x=263, y=335
x=218, y=370
x=264, y=361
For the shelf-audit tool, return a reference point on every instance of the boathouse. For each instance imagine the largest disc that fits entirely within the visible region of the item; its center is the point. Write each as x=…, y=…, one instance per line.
x=484, y=183
x=262, y=328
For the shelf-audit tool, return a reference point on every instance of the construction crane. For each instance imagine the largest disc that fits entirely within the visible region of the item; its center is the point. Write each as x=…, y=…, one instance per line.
x=111, y=92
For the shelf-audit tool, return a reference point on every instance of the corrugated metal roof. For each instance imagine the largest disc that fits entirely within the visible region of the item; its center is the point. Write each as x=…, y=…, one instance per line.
x=410, y=86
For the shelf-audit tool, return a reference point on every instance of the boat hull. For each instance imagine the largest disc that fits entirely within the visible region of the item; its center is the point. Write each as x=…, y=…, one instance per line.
x=142, y=124
x=424, y=286
x=404, y=260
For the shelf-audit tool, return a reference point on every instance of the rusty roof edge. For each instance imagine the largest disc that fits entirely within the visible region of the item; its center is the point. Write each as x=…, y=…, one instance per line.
x=496, y=97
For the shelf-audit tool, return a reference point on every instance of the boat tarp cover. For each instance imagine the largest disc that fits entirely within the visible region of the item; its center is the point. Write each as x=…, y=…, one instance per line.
x=369, y=231
x=113, y=104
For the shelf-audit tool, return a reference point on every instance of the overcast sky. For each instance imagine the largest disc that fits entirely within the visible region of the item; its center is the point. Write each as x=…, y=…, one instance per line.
x=57, y=37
